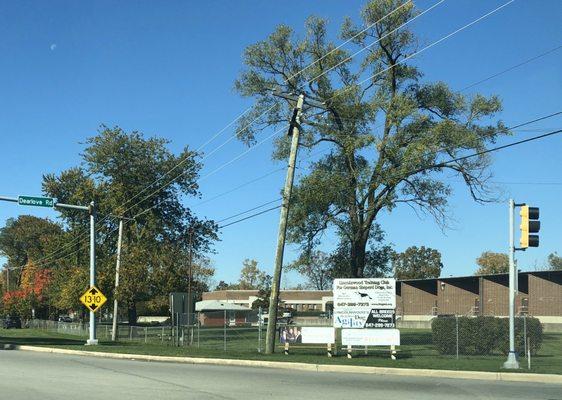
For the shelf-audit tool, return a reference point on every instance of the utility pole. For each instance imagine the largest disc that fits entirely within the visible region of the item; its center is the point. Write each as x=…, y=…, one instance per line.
x=511, y=362
x=294, y=131
x=189, y=297
x=117, y=266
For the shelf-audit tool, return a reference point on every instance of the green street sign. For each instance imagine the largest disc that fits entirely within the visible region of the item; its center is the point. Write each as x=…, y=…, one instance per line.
x=36, y=201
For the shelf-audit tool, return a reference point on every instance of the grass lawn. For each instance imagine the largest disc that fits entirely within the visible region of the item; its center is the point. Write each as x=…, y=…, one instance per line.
x=416, y=351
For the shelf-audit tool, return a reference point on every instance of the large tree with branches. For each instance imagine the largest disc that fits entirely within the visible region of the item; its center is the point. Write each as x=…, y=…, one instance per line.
x=387, y=133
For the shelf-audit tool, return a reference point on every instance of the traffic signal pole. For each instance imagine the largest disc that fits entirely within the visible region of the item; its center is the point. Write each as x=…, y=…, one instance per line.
x=530, y=225
x=511, y=362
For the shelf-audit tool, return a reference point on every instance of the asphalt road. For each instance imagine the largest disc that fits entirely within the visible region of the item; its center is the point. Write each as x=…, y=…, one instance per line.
x=40, y=376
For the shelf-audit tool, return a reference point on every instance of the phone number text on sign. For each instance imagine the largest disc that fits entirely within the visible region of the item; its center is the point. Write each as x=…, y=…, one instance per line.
x=355, y=299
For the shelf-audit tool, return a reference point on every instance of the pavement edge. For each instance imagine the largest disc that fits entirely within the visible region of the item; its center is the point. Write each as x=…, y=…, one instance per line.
x=434, y=373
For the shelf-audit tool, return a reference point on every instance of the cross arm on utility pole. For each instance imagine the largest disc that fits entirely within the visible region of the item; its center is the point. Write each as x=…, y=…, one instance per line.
x=295, y=97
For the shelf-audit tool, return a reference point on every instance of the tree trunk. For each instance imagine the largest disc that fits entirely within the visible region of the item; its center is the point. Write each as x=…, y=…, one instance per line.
x=132, y=312
x=358, y=256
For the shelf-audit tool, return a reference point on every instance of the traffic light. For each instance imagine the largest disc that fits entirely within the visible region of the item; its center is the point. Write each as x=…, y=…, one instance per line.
x=529, y=224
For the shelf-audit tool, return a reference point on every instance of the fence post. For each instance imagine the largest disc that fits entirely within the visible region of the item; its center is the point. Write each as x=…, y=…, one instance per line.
x=177, y=329
x=525, y=333
x=198, y=327
x=224, y=333
x=145, y=333
x=130, y=332
x=457, y=328
x=528, y=355
x=162, y=335
x=259, y=329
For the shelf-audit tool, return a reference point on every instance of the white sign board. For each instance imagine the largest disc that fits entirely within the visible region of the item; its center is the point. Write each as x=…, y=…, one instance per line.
x=318, y=335
x=370, y=337
x=355, y=298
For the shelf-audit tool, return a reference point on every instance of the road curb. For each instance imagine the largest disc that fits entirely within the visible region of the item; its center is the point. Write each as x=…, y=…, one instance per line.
x=433, y=373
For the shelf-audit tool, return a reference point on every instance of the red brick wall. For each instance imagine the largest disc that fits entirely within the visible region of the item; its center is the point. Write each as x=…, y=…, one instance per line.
x=416, y=301
x=545, y=294
x=455, y=298
x=495, y=297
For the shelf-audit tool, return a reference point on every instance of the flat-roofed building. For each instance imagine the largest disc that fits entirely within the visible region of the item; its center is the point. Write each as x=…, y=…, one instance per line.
x=545, y=293
x=539, y=294
x=494, y=295
x=418, y=297
x=299, y=300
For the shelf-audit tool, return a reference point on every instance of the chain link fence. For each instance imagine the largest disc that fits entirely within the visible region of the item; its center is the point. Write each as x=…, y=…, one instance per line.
x=224, y=330
x=462, y=338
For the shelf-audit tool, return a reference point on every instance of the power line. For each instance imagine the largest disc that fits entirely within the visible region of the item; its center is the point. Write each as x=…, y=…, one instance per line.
x=247, y=110
x=376, y=41
x=251, y=209
x=437, y=42
x=475, y=154
x=253, y=180
x=538, y=137
x=339, y=93
x=528, y=183
x=250, y=216
x=380, y=72
x=512, y=67
x=286, y=80
x=505, y=146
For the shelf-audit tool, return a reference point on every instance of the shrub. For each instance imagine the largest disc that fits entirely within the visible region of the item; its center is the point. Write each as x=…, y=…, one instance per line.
x=443, y=332
x=483, y=335
x=534, y=335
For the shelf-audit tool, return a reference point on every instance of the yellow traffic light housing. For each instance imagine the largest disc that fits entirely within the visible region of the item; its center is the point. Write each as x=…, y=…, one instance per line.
x=529, y=224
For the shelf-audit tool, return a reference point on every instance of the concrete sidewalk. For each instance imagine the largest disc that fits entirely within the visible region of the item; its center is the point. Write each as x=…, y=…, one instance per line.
x=434, y=373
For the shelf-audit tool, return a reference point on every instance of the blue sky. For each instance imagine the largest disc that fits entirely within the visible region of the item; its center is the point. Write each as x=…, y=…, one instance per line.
x=167, y=69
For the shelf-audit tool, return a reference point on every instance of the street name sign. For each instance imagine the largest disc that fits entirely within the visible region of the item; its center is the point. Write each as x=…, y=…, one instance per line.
x=93, y=299
x=364, y=302
x=36, y=201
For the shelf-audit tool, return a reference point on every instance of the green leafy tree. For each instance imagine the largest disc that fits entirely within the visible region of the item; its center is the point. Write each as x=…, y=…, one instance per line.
x=117, y=168
x=386, y=133
x=492, y=263
x=417, y=263
x=24, y=238
x=252, y=277
x=316, y=268
x=554, y=261
x=222, y=285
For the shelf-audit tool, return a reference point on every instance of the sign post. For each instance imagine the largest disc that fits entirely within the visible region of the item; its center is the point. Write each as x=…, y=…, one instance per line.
x=38, y=201
x=92, y=339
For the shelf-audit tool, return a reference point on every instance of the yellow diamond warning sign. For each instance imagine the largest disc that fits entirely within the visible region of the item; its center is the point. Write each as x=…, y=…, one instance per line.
x=93, y=299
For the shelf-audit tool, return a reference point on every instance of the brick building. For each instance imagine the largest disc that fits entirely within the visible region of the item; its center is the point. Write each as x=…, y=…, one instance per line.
x=539, y=294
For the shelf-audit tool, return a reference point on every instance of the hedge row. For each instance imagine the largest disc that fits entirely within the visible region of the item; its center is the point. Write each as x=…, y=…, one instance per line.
x=484, y=335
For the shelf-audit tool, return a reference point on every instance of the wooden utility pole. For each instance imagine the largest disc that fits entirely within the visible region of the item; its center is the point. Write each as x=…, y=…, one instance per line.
x=117, y=266
x=294, y=131
x=189, y=297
